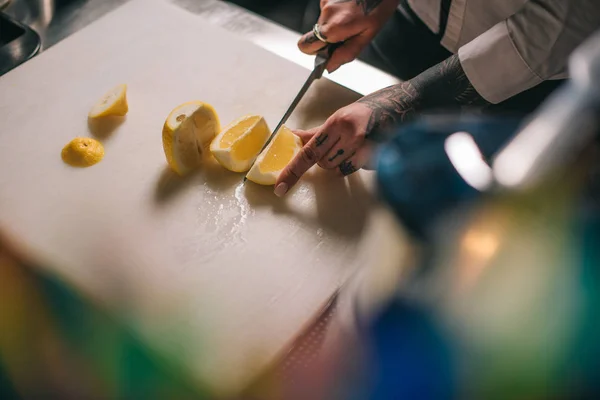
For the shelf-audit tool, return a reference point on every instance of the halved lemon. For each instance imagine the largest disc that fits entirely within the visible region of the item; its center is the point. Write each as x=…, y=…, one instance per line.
x=275, y=157
x=82, y=152
x=187, y=133
x=112, y=103
x=237, y=146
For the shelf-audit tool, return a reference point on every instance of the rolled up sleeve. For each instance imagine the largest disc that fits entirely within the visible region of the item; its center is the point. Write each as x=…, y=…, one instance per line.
x=528, y=48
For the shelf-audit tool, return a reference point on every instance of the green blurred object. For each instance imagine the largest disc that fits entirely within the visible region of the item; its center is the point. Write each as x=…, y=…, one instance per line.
x=75, y=350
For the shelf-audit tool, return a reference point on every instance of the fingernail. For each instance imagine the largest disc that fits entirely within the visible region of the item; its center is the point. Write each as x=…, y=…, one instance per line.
x=281, y=189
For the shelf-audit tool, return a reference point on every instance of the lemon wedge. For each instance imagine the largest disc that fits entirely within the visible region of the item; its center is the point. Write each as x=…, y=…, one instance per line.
x=275, y=157
x=187, y=133
x=83, y=152
x=237, y=146
x=113, y=103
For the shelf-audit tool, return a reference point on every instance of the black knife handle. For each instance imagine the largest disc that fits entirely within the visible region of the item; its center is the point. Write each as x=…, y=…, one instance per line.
x=323, y=57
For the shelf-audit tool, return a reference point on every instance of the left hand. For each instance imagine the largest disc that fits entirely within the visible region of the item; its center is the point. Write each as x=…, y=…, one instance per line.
x=340, y=143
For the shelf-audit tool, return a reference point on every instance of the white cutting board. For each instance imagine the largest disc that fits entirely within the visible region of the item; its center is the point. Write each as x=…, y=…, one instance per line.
x=217, y=275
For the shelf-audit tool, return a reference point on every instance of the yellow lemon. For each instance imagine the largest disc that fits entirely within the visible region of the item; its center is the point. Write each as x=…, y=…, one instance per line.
x=82, y=152
x=113, y=103
x=237, y=146
x=275, y=157
x=187, y=133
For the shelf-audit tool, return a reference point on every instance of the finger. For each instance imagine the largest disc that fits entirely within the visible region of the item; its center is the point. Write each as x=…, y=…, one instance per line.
x=310, y=44
x=348, y=52
x=336, y=155
x=333, y=28
x=355, y=162
x=308, y=156
x=305, y=136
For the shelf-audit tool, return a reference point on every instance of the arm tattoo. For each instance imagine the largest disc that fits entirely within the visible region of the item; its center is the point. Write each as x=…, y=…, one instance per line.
x=444, y=85
x=452, y=78
x=390, y=106
x=367, y=6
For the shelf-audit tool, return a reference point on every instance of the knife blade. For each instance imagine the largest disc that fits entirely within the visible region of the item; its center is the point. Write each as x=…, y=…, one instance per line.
x=321, y=60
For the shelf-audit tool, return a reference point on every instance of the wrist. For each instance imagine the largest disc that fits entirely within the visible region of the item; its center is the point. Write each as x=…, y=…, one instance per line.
x=389, y=107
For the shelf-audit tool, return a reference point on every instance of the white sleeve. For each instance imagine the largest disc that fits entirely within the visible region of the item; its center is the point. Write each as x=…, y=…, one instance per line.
x=529, y=47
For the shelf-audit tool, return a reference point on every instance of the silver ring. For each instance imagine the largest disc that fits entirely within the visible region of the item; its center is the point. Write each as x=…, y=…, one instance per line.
x=317, y=32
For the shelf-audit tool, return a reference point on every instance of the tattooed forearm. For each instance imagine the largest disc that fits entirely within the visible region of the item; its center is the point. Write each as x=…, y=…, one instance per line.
x=444, y=85
x=367, y=6
x=390, y=106
x=447, y=84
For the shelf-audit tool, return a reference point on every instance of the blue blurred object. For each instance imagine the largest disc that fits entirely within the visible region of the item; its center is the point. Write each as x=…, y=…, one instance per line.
x=412, y=357
x=506, y=306
x=415, y=174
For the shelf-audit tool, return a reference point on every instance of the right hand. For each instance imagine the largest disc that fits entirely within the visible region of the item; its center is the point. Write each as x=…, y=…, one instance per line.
x=354, y=22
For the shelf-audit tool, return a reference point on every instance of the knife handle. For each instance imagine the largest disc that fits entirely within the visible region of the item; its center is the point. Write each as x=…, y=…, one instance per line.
x=323, y=57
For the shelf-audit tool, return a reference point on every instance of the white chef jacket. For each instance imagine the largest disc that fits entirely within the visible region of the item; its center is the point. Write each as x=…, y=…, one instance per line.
x=508, y=46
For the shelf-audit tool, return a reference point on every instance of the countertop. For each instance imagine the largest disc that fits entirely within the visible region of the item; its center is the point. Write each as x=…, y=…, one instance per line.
x=55, y=20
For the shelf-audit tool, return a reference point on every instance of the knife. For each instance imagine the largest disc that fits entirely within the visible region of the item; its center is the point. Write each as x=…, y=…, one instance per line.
x=321, y=60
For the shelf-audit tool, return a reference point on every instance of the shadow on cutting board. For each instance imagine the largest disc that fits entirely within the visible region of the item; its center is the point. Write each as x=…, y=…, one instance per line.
x=103, y=128
x=169, y=184
x=322, y=99
x=342, y=205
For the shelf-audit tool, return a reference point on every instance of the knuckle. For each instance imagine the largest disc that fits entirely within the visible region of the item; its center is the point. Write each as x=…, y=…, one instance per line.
x=329, y=8
x=291, y=176
x=309, y=155
x=326, y=7
x=345, y=122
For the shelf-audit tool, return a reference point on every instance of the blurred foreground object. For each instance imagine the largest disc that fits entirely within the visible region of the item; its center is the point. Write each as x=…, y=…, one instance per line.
x=56, y=343
x=504, y=302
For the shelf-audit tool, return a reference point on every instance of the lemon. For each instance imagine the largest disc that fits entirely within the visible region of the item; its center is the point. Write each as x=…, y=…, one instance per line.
x=113, y=103
x=275, y=157
x=82, y=152
x=187, y=133
x=237, y=146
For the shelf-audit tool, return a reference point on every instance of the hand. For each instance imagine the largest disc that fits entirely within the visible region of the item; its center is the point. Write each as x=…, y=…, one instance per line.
x=337, y=144
x=355, y=22
x=341, y=141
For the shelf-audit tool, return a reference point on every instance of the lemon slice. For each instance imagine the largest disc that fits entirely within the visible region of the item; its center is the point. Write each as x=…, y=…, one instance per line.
x=83, y=152
x=275, y=158
x=112, y=103
x=239, y=143
x=187, y=133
